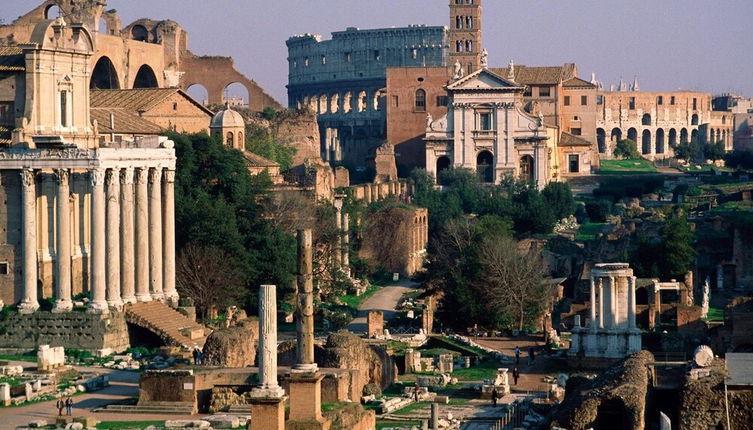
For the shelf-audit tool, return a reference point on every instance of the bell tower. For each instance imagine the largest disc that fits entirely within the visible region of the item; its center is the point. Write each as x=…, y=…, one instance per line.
x=465, y=35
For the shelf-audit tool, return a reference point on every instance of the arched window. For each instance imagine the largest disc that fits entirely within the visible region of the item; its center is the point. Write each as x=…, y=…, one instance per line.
x=694, y=119
x=646, y=142
x=229, y=139
x=104, y=76
x=601, y=138
x=646, y=120
x=420, y=100
x=64, y=109
x=459, y=46
x=459, y=22
x=485, y=167
x=52, y=12
x=632, y=134
x=139, y=33
x=469, y=45
x=526, y=168
x=145, y=78
x=469, y=22
x=660, y=141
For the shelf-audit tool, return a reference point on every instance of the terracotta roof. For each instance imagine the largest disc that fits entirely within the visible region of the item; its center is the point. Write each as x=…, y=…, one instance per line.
x=534, y=75
x=125, y=122
x=6, y=135
x=577, y=83
x=12, y=59
x=141, y=99
x=567, y=139
x=256, y=160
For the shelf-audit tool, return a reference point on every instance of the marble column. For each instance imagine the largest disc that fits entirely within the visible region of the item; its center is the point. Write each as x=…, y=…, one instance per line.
x=592, y=314
x=168, y=234
x=155, y=233
x=30, y=302
x=63, y=243
x=601, y=303
x=142, y=236
x=338, y=221
x=346, y=243
x=631, y=302
x=305, y=305
x=267, y=360
x=127, y=248
x=113, y=239
x=98, y=279
x=613, y=302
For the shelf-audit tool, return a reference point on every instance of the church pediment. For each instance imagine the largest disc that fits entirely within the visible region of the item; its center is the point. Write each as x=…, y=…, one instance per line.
x=483, y=80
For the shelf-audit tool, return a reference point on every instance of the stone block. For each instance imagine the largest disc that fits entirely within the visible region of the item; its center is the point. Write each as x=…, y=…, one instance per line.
x=267, y=414
x=182, y=424
x=223, y=421
x=74, y=426
x=375, y=324
x=36, y=424
x=86, y=421
x=442, y=399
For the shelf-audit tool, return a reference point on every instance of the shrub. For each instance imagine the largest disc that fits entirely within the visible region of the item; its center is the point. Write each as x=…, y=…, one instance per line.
x=599, y=210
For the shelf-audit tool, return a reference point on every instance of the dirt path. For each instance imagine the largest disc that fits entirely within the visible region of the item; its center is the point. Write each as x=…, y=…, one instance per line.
x=530, y=374
x=385, y=300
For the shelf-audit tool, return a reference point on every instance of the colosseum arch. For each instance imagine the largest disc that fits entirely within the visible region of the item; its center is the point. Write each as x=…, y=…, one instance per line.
x=145, y=78
x=660, y=141
x=104, y=75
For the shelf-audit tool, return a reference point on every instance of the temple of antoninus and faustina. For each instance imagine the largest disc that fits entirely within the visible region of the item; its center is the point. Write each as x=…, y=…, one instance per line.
x=79, y=214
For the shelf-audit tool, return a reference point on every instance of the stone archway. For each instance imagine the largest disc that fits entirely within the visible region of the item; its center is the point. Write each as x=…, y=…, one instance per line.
x=632, y=134
x=611, y=415
x=660, y=141
x=527, y=168
x=485, y=167
x=199, y=93
x=684, y=135
x=601, y=140
x=672, y=138
x=443, y=163
x=145, y=78
x=646, y=142
x=104, y=75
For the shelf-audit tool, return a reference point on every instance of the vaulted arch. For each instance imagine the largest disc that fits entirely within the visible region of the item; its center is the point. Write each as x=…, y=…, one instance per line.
x=145, y=78
x=104, y=75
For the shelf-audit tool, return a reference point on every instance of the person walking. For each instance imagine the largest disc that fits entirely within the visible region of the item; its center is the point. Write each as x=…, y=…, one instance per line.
x=69, y=406
x=60, y=404
x=495, y=396
x=515, y=375
x=531, y=355
x=517, y=356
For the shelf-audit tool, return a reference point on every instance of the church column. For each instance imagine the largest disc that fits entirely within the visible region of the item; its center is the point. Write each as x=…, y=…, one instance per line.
x=98, y=281
x=29, y=203
x=113, y=239
x=142, y=236
x=63, y=245
x=168, y=224
x=127, y=248
x=155, y=233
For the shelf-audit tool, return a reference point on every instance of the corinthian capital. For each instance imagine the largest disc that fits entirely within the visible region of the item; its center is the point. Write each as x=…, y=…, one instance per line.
x=28, y=177
x=126, y=176
x=169, y=176
x=141, y=175
x=112, y=177
x=97, y=177
x=63, y=176
x=155, y=175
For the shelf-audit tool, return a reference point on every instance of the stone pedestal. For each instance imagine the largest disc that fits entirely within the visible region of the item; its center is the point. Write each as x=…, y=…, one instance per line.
x=305, y=402
x=267, y=413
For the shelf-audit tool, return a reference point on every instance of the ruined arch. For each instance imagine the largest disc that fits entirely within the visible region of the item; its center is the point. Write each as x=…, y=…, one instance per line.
x=334, y=103
x=322, y=108
x=632, y=134
x=694, y=119
x=52, y=11
x=694, y=135
x=485, y=166
x=362, y=101
x=348, y=102
x=672, y=137
x=646, y=119
x=684, y=135
x=616, y=135
x=660, y=141
x=145, y=78
x=235, y=93
x=646, y=142
x=104, y=75
x=199, y=93
x=601, y=138
x=139, y=33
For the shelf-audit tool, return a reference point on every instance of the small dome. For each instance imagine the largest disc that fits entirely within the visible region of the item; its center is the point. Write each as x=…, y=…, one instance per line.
x=227, y=118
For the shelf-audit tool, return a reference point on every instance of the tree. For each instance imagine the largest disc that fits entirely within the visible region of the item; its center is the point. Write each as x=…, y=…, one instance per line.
x=627, y=149
x=669, y=256
x=560, y=198
x=208, y=275
x=512, y=281
x=688, y=151
x=714, y=151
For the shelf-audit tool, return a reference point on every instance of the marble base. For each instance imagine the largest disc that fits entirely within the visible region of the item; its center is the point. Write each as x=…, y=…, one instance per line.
x=27, y=307
x=98, y=308
x=267, y=393
x=62, y=306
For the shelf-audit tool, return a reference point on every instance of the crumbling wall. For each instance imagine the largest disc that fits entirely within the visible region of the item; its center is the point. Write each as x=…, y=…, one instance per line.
x=352, y=416
x=232, y=347
x=625, y=384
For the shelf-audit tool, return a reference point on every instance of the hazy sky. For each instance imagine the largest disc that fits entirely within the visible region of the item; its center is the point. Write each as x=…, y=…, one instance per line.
x=669, y=44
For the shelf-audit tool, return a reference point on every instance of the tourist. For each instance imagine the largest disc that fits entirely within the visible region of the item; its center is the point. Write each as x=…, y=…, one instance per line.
x=531, y=355
x=415, y=392
x=515, y=375
x=495, y=396
x=517, y=355
x=60, y=404
x=69, y=406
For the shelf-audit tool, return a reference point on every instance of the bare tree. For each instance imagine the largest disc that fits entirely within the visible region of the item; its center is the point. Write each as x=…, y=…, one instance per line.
x=209, y=276
x=512, y=280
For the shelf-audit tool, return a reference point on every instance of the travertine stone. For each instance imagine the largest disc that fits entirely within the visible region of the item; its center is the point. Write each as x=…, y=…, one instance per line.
x=127, y=248
x=63, y=245
x=155, y=234
x=98, y=280
x=168, y=234
x=113, y=239
x=267, y=361
x=305, y=308
x=28, y=200
x=142, y=236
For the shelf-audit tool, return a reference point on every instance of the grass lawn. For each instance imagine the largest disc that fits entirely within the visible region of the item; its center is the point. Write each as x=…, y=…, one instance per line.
x=485, y=370
x=29, y=358
x=589, y=230
x=626, y=167
x=355, y=301
x=122, y=425
x=741, y=205
x=715, y=314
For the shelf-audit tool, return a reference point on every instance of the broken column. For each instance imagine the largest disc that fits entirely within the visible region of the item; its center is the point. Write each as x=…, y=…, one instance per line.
x=346, y=244
x=305, y=379
x=435, y=416
x=374, y=324
x=268, y=399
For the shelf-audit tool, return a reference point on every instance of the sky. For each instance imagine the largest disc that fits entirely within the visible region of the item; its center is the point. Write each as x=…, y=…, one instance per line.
x=668, y=44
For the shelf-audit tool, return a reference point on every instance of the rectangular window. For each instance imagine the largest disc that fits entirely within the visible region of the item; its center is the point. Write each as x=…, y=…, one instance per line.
x=659, y=100
x=395, y=101
x=485, y=121
x=4, y=268
x=575, y=131
x=672, y=100
x=443, y=101
x=583, y=100
x=377, y=55
x=544, y=92
x=6, y=113
x=347, y=57
x=695, y=103
x=631, y=104
x=63, y=109
x=574, y=163
x=599, y=100
x=528, y=92
x=567, y=100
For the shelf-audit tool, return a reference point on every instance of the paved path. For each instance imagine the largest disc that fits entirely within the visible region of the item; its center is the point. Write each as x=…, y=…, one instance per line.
x=385, y=300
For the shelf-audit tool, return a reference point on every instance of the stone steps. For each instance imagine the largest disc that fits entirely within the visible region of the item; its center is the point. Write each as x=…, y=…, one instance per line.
x=239, y=409
x=150, y=409
x=170, y=325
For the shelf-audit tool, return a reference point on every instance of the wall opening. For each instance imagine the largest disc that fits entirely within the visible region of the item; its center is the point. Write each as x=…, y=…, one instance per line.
x=199, y=93
x=52, y=12
x=145, y=78
x=235, y=94
x=104, y=76
x=485, y=167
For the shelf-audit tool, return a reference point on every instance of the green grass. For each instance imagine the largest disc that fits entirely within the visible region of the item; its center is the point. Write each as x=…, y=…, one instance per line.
x=122, y=425
x=328, y=407
x=380, y=425
x=715, y=314
x=451, y=344
x=487, y=369
x=355, y=301
x=27, y=358
x=626, y=167
x=589, y=230
x=742, y=205
x=411, y=408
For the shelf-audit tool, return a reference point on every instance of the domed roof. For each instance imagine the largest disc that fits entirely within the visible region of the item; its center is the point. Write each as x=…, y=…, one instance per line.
x=227, y=118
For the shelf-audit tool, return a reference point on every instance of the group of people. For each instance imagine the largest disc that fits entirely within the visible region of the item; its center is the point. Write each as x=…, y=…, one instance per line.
x=66, y=404
x=198, y=356
x=515, y=371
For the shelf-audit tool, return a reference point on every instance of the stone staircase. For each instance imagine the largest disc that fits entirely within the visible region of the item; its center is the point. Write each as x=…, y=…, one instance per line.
x=170, y=325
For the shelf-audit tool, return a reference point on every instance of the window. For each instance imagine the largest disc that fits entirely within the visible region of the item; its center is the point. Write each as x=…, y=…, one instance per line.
x=469, y=45
x=631, y=103
x=229, y=139
x=573, y=163
x=659, y=100
x=395, y=101
x=459, y=46
x=377, y=55
x=347, y=57
x=544, y=92
x=485, y=121
x=567, y=100
x=443, y=101
x=575, y=131
x=599, y=100
x=576, y=118
x=420, y=100
x=64, y=109
x=469, y=22
x=583, y=100
x=306, y=62
x=6, y=113
x=527, y=92
x=414, y=53
x=324, y=59
x=175, y=106
x=695, y=103
x=459, y=22
x=672, y=100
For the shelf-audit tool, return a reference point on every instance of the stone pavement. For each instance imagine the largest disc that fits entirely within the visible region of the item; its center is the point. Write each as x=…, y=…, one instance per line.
x=385, y=300
x=530, y=375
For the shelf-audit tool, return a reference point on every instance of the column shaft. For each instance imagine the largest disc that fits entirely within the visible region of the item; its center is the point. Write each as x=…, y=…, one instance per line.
x=63, y=243
x=305, y=308
x=127, y=248
x=98, y=280
x=155, y=233
x=142, y=236
x=113, y=239
x=601, y=303
x=592, y=313
x=613, y=302
x=346, y=243
x=168, y=223
x=30, y=302
x=268, y=342
x=631, y=302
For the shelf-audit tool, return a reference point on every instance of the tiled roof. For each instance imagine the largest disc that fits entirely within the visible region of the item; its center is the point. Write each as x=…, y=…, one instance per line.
x=140, y=99
x=125, y=122
x=567, y=139
x=6, y=135
x=12, y=59
x=256, y=160
x=534, y=75
x=577, y=83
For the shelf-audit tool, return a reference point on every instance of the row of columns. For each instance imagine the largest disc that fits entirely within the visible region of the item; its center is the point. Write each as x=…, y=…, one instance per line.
x=132, y=216
x=609, y=318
